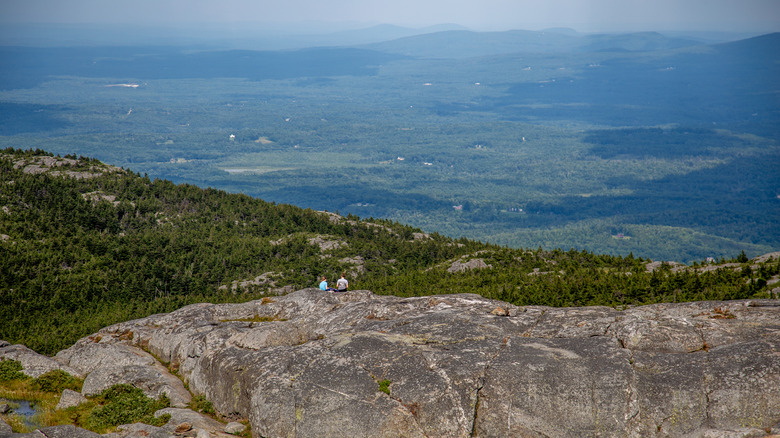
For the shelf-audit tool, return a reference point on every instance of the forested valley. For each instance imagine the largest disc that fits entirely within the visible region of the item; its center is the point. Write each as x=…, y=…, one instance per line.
x=84, y=245
x=658, y=146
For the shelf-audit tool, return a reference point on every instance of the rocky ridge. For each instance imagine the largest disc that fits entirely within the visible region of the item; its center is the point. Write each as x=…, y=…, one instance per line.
x=356, y=364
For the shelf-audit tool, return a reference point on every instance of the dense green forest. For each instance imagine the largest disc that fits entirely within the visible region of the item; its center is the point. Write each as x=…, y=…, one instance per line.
x=518, y=138
x=84, y=245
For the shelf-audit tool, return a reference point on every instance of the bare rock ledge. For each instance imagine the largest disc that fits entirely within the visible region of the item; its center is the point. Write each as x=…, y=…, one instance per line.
x=356, y=364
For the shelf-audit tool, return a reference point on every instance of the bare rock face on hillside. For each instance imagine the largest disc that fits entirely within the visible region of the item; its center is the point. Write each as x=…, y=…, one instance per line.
x=356, y=364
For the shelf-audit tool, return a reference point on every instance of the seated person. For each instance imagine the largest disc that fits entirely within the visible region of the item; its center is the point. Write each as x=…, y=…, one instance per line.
x=324, y=285
x=342, y=284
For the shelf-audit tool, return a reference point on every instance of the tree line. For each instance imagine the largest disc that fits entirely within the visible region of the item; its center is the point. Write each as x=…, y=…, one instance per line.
x=80, y=253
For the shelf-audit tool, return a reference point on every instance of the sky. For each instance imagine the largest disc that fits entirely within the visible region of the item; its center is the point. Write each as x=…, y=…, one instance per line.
x=757, y=16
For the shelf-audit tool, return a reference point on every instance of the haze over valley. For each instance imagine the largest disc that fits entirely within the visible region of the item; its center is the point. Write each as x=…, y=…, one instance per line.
x=613, y=143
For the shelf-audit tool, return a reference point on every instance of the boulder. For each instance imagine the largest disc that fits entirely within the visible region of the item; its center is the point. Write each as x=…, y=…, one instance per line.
x=88, y=355
x=153, y=380
x=70, y=399
x=66, y=431
x=107, y=360
x=234, y=427
x=183, y=420
x=361, y=365
x=5, y=428
x=140, y=430
x=460, y=266
x=34, y=364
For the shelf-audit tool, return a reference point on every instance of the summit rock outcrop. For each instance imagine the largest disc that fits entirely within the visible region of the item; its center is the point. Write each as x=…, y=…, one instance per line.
x=313, y=363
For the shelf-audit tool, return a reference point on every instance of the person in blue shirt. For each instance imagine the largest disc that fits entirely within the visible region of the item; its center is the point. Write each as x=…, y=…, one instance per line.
x=324, y=285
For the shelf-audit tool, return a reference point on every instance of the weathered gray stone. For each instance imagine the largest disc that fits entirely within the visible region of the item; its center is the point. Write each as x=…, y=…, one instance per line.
x=87, y=356
x=68, y=431
x=140, y=430
x=194, y=420
x=33, y=434
x=34, y=364
x=111, y=361
x=459, y=266
x=360, y=365
x=70, y=399
x=5, y=428
x=153, y=380
x=234, y=427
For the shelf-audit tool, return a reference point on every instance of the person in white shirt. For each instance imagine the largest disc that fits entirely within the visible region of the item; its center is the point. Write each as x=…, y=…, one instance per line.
x=342, y=284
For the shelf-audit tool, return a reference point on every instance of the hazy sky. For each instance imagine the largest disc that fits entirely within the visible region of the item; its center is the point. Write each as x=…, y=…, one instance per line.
x=582, y=15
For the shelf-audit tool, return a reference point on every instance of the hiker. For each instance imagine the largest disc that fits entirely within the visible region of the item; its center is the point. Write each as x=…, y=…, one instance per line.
x=324, y=285
x=342, y=284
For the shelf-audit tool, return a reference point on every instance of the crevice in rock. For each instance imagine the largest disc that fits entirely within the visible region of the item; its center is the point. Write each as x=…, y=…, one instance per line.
x=608, y=327
x=481, y=383
x=594, y=402
x=476, y=409
x=632, y=404
x=707, y=392
x=704, y=346
x=660, y=426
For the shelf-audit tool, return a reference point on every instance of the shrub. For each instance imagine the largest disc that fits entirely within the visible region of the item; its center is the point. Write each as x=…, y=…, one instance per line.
x=56, y=381
x=200, y=404
x=11, y=370
x=123, y=404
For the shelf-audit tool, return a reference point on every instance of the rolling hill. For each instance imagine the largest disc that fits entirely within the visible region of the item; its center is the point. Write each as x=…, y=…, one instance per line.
x=86, y=245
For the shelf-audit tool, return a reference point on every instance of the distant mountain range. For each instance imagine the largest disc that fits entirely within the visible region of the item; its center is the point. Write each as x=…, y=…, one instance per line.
x=466, y=44
x=654, y=136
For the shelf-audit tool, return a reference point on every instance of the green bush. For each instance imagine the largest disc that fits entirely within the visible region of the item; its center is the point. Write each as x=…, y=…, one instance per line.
x=200, y=404
x=124, y=404
x=11, y=370
x=56, y=381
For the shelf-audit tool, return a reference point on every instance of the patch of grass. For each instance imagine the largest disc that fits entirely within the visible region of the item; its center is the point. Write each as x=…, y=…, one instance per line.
x=16, y=422
x=123, y=404
x=200, y=404
x=21, y=389
x=119, y=404
x=76, y=415
x=384, y=386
